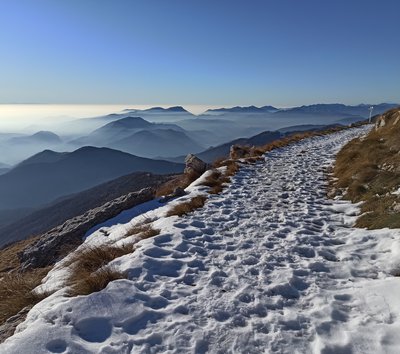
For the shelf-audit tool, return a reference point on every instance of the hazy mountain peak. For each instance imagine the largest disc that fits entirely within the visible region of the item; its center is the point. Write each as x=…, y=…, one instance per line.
x=243, y=109
x=174, y=109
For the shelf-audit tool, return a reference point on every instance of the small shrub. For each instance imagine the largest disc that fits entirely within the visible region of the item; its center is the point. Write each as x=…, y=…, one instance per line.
x=187, y=207
x=143, y=230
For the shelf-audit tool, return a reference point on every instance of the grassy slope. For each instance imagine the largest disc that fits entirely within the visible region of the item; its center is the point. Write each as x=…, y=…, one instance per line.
x=368, y=169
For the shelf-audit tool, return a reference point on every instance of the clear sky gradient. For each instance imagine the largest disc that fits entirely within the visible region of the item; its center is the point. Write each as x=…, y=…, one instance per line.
x=210, y=52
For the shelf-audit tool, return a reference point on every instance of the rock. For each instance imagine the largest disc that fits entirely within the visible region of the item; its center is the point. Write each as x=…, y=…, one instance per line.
x=381, y=122
x=51, y=245
x=194, y=165
x=396, y=208
x=7, y=329
x=390, y=118
x=179, y=192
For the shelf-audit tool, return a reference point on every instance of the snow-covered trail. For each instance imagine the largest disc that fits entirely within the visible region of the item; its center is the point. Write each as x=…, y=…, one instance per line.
x=269, y=266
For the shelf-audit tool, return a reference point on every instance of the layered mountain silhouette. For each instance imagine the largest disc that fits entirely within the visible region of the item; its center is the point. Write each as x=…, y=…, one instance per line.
x=50, y=175
x=340, y=109
x=174, y=109
x=158, y=142
x=140, y=137
x=239, y=109
x=41, y=137
x=337, y=109
x=4, y=168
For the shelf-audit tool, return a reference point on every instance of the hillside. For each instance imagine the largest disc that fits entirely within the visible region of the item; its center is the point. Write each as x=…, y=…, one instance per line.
x=367, y=169
x=158, y=142
x=50, y=175
x=222, y=151
x=59, y=211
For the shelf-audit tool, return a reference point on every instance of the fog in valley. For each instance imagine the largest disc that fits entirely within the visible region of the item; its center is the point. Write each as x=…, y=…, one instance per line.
x=163, y=133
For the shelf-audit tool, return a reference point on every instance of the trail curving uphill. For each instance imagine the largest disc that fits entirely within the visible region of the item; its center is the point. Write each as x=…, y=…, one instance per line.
x=269, y=266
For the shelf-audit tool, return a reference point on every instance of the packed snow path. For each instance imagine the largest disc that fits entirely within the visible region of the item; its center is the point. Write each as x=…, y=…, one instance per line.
x=269, y=266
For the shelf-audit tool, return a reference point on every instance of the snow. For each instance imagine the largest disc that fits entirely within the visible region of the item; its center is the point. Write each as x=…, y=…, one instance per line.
x=397, y=192
x=270, y=265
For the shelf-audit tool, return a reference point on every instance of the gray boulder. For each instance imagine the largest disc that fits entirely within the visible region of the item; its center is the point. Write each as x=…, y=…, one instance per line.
x=194, y=165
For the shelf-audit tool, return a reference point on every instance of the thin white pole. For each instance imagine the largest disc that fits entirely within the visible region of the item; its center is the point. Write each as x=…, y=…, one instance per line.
x=370, y=113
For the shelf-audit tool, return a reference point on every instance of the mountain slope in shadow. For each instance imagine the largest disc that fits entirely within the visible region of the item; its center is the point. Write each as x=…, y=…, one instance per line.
x=49, y=175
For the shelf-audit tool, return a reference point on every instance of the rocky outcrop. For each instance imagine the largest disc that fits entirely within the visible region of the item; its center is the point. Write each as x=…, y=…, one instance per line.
x=194, y=165
x=7, y=329
x=52, y=245
x=390, y=118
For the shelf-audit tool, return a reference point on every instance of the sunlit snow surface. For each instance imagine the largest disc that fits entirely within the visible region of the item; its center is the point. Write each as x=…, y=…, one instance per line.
x=270, y=265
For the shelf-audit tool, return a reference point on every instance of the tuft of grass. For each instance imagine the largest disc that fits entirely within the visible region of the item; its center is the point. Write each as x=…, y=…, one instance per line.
x=16, y=292
x=181, y=181
x=215, y=181
x=96, y=281
x=187, y=207
x=144, y=230
x=89, y=268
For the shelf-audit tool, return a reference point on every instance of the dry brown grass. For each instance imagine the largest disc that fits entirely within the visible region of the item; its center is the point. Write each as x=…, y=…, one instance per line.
x=89, y=268
x=144, y=230
x=187, y=207
x=9, y=255
x=93, y=282
x=16, y=292
x=215, y=180
x=181, y=181
x=368, y=170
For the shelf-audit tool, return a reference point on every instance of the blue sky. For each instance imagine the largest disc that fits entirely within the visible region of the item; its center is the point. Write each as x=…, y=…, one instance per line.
x=210, y=52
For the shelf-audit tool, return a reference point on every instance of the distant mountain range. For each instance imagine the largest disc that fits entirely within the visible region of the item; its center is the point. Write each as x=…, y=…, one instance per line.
x=160, y=110
x=222, y=151
x=239, y=109
x=41, y=137
x=140, y=137
x=50, y=175
x=323, y=109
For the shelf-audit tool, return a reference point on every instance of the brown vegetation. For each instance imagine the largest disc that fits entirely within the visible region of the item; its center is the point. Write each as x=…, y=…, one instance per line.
x=144, y=230
x=93, y=282
x=367, y=169
x=16, y=292
x=187, y=207
x=215, y=181
x=181, y=181
x=89, y=268
x=9, y=255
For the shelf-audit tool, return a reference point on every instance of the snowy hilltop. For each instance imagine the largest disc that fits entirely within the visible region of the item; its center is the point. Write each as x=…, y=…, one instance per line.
x=268, y=265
